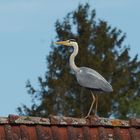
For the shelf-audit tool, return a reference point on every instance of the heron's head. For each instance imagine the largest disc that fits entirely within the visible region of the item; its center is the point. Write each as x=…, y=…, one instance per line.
x=70, y=42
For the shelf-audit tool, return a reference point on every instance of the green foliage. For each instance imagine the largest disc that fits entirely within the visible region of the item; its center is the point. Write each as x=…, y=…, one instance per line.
x=101, y=48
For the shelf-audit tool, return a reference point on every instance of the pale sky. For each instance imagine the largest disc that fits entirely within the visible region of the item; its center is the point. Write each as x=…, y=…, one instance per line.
x=27, y=29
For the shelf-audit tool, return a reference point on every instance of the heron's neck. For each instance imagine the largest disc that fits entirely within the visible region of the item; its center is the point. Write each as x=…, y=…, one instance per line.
x=72, y=58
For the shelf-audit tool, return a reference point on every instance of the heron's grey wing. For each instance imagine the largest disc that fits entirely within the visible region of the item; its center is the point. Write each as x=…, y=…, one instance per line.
x=89, y=70
x=92, y=79
x=87, y=80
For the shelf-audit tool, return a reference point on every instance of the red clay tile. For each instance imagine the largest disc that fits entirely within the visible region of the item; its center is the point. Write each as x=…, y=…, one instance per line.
x=67, y=128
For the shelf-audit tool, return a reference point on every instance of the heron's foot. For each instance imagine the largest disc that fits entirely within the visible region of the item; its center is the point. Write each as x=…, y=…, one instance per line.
x=91, y=116
x=87, y=116
x=95, y=114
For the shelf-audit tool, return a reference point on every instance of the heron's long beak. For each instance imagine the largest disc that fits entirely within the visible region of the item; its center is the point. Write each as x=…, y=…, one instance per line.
x=62, y=43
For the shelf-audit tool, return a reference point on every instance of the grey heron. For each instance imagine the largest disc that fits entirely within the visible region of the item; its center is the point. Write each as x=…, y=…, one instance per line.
x=85, y=76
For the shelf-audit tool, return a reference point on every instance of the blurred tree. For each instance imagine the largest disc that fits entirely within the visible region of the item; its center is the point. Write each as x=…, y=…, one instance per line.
x=101, y=48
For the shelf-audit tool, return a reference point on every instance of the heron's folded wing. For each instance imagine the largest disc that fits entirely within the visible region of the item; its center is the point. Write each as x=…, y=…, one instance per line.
x=92, y=79
x=88, y=80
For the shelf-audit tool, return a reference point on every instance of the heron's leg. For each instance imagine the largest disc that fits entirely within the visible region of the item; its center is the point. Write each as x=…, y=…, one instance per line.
x=91, y=104
x=96, y=105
